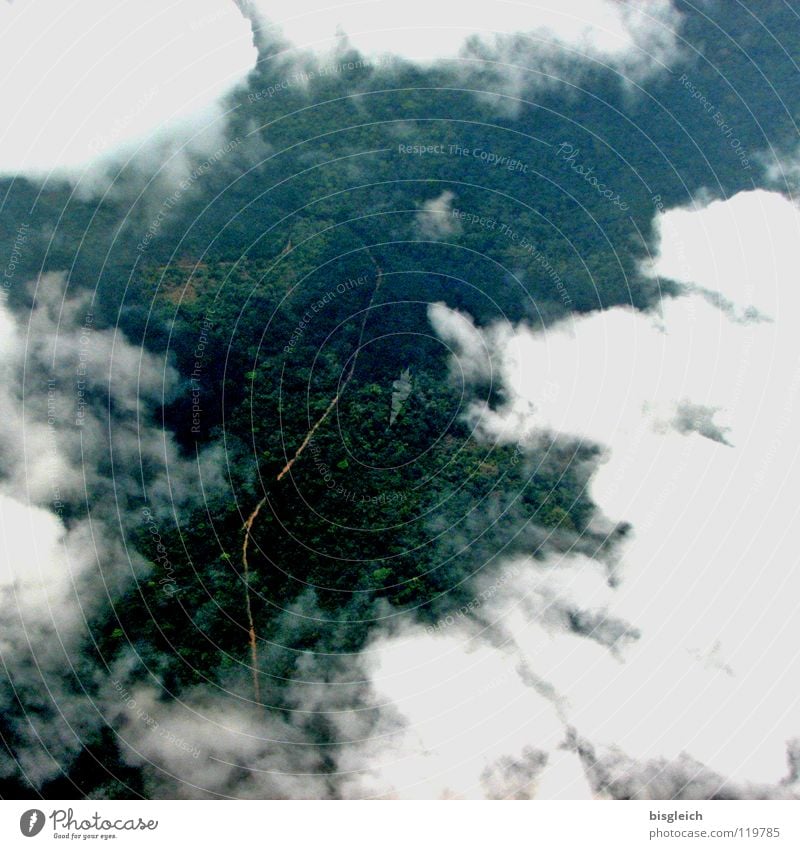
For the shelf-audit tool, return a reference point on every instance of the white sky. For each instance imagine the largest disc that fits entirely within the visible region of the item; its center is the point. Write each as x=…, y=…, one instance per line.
x=79, y=78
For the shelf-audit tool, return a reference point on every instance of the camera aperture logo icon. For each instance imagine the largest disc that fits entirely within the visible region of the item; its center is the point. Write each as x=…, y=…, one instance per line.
x=31, y=822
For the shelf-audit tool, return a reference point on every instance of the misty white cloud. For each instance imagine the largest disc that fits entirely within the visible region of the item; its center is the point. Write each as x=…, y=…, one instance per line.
x=82, y=79
x=435, y=219
x=758, y=230
x=457, y=330
x=77, y=444
x=205, y=745
x=707, y=577
x=618, y=33
x=471, y=717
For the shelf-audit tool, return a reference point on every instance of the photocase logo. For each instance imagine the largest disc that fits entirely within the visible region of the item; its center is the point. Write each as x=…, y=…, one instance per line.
x=402, y=389
x=31, y=822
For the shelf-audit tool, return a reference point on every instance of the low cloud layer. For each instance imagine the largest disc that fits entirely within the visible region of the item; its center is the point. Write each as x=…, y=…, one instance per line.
x=109, y=80
x=694, y=407
x=83, y=80
x=435, y=219
x=80, y=456
x=626, y=35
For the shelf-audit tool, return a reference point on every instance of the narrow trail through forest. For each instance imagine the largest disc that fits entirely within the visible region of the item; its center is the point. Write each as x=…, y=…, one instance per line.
x=248, y=525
